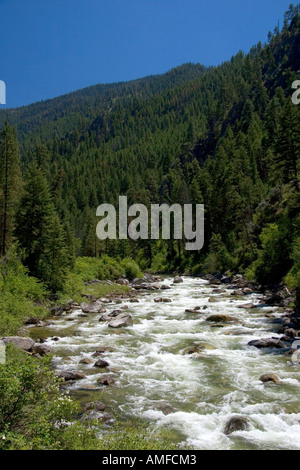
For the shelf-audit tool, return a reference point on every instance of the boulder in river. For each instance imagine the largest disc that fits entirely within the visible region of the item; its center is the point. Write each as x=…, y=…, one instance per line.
x=95, y=406
x=121, y=320
x=269, y=378
x=177, y=280
x=106, y=380
x=267, y=343
x=86, y=361
x=123, y=282
x=22, y=343
x=57, y=311
x=70, y=375
x=247, y=306
x=221, y=319
x=101, y=363
x=95, y=307
x=41, y=349
x=236, y=423
x=192, y=350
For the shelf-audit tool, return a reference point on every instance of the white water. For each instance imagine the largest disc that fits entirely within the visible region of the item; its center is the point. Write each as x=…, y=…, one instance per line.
x=204, y=392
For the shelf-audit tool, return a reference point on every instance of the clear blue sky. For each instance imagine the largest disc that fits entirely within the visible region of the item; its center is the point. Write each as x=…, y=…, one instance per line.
x=52, y=47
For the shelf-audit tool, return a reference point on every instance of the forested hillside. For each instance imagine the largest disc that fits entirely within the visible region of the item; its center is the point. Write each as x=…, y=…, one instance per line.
x=227, y=136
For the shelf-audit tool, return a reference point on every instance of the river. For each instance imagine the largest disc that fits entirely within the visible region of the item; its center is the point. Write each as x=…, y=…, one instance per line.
x=193, y=394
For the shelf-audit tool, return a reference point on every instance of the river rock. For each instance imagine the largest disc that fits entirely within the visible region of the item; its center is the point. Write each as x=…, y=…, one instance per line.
x=101, y=363
x=247, y=306
x=273, y=299
x=96, y=307
x=121, y=320
x=165, y=287
x=267, y=343
x=106, y=380
x=192, y=310
x=69, y=375
x=177, y=280
x=57, y=311
x=236, y=423
x=102, y=350
x=221, y=319
x=239, y=293
x=95, y=406
x=123, y=282
x=41, y=349
x=86, y=360
x=269, y=378
x=26, y=344
x=166, y=409
x=191, y=350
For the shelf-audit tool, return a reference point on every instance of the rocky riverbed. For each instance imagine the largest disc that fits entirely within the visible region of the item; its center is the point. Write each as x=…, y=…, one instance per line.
x=209, y=358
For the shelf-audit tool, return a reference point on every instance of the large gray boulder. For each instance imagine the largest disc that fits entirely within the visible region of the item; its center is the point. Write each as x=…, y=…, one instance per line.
x=267, y=343
x=23, y=343
x=236, y=423
x=69, y=375
x=121, y=320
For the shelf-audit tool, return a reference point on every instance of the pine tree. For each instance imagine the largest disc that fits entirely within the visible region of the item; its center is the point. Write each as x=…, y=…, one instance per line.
x=10, y=185
x=40, y=233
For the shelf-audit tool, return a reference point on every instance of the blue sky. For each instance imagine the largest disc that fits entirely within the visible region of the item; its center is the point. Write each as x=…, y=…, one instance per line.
x=49, y=48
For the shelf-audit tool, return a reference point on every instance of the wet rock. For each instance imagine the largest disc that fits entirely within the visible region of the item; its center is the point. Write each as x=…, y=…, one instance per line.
x=134, y=301
x=123, y=282
x=166, y=409
x=193, y=310
x=221, y=319
x=214, y=282
x=274, y=299
x=103, y=350
x=267, y=343
x=95, y=406
x=121, y=320
x=237, y=293
x=96, y=307
x=236, y=423
x=69, y=375
x=32, y=321
x=165, y=287
x=101, y=363
x=26, y=344
x=68, y=305
x=177, y=280
x=106, y=380
x=86, y=361
x=291, y=333
x=57, y=311
x=269, y=378
x=247, y=306
x=191, y=350
x=41, y=349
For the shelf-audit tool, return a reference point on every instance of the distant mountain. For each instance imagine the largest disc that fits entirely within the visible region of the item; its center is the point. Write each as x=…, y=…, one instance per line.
x=61, y=114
